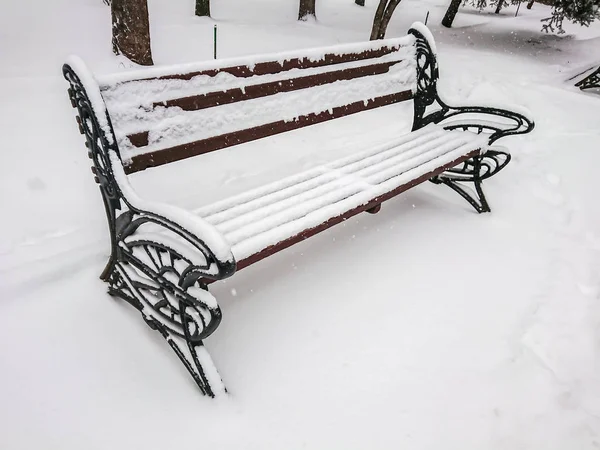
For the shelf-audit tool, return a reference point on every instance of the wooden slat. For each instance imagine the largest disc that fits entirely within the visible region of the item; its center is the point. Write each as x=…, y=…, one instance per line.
x=370, y=206
x=139, y=139
x=197, y=102
x=168, y=155
x=272, y=67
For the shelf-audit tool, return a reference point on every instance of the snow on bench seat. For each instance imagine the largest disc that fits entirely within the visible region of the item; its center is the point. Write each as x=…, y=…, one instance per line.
x=265, y=216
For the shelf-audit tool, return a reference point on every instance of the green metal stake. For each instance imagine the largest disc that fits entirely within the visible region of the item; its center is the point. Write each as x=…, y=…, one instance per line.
x=215, y=43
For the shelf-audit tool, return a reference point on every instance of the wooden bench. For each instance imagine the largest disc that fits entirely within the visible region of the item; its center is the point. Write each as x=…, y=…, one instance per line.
x=163, y=257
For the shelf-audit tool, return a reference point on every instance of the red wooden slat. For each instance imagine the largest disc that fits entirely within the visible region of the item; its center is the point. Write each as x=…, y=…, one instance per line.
x=168, y=155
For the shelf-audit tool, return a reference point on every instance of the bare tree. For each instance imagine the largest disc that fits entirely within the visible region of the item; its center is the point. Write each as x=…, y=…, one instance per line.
x=451, y=13
x=382, y=18
x=131, y=30
x=499, y=6
x=307, y=10
x=530, y=4
x=203, y=8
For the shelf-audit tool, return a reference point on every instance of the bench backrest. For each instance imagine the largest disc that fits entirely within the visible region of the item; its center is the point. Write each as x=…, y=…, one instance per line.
x=159, y=115
x=166, y=114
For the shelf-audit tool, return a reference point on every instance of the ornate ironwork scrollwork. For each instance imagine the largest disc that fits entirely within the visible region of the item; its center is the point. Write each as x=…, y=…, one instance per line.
x=474, y=170
x=155, y=279
x=427, y=70
x=478, y=168
x=592, y=81
x=98, y=145
x=147, y=269
x=427, y=95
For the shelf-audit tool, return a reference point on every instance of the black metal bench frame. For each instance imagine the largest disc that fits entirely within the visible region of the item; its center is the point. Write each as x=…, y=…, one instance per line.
x=592, y=81
x=166, y=291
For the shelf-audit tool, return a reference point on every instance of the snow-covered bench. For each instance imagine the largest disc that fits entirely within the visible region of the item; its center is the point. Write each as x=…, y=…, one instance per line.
x=163, y=258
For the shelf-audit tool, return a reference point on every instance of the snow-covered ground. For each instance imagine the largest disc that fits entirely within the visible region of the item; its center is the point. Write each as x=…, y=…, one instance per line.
x=425, y=326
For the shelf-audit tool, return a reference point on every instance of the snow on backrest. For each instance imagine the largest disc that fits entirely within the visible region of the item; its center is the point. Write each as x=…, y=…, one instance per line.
x=169, y=113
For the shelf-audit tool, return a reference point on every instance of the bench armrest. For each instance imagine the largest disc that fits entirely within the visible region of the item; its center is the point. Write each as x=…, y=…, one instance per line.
x=498, y=121
x=137, y=226
x=181, y=232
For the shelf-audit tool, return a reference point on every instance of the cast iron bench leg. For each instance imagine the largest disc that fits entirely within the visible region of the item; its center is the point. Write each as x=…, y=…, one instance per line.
x=177, y=325
x=474, y=170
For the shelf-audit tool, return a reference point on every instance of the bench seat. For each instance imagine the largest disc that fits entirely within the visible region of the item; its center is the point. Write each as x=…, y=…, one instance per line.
x=253, y=221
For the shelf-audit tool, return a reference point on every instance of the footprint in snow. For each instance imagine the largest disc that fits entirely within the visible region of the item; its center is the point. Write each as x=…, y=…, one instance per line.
x=549, y=196
x=553, y=179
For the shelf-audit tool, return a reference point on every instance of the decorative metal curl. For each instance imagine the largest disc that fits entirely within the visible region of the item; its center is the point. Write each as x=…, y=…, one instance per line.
x=98, y=146
x=162, y=273
x=474, y=170
x=427, y=76
x=427, y=95
x=490, y=163
x=592, y=81
x=153, y=277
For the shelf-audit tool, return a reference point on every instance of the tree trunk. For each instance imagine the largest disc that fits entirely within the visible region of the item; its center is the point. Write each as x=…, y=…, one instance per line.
x=382, y=18
x=530, y=4
x=451, y=13
x=387, y=16
x=360, y=2
x=307, y=9
x=377, y=19
x=499, y=7
x=203, y=8
x=131, y=30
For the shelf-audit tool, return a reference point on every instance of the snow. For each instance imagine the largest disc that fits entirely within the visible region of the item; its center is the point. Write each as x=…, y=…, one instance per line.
x=421, y=28
x=423, y=326
x=144, y=93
